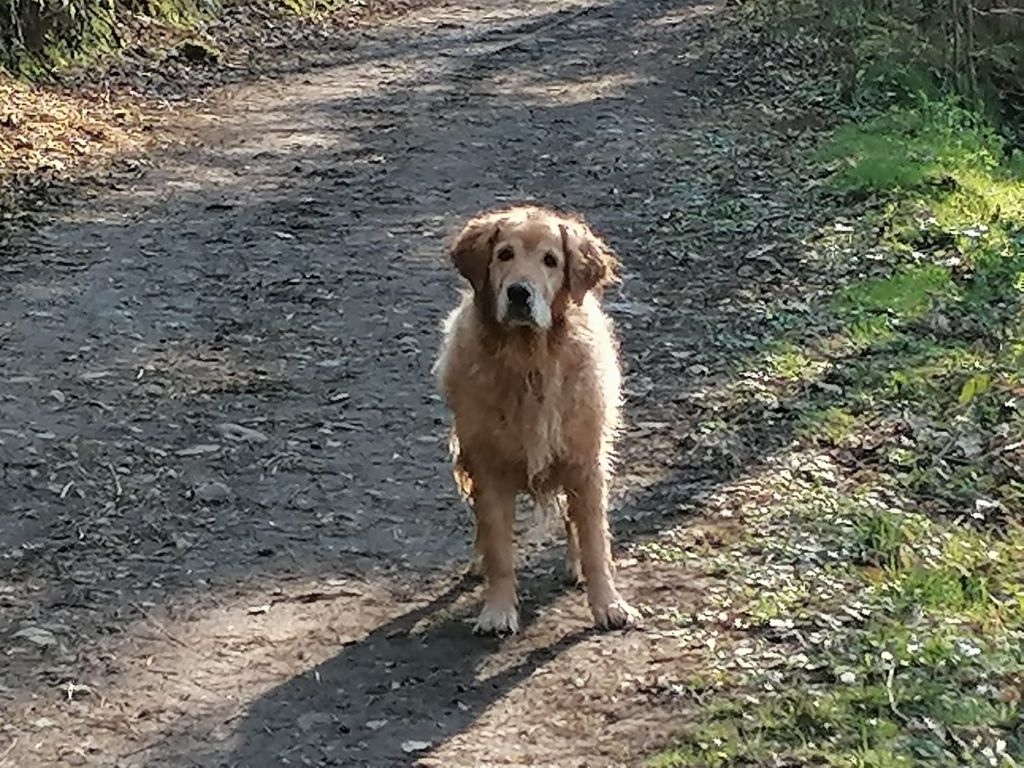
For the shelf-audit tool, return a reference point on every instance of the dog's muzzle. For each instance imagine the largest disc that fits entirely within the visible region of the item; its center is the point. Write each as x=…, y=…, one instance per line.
x=521, y=305
x=520, y=301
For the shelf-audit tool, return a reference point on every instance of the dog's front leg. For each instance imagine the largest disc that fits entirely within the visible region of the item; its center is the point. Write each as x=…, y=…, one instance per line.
x=495, y=507
x=588, y=512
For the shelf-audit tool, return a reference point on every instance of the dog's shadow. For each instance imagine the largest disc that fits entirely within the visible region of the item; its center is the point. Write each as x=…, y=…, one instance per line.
x=409, y=685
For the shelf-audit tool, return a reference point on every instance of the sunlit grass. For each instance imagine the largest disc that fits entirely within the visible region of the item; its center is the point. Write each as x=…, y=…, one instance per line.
x=905, y=559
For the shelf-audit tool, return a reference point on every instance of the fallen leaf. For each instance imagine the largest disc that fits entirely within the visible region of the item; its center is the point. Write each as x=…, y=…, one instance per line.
x=44, y=638
x=212, y=491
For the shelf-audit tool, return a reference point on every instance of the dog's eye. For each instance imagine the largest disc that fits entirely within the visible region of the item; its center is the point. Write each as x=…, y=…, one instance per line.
x=505, y=254
x=550, y=260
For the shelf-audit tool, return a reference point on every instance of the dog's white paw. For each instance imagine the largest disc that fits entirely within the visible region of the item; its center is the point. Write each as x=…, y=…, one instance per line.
x=497, y=619
x=616, y=614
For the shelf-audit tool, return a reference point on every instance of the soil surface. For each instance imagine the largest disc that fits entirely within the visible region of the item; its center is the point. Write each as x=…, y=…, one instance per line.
x=229, y=536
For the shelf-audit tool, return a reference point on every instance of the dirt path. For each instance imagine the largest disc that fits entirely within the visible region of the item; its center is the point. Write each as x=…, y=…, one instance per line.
x=229, y=536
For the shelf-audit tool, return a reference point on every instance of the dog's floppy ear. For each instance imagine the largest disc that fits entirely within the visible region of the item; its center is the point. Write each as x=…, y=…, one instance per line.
x=472, y=247
x=589, y=261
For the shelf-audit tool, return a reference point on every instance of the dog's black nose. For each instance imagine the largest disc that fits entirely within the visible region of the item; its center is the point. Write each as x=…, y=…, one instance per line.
x=518, y=294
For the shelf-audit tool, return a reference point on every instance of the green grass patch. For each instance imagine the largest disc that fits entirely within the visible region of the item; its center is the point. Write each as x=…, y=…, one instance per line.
x=915, y=655
x=833, y=425
x=934, y=335
x=942, y=589
x=908, y=293
x=875, y=616
x=789, y=363
x=883, y=536
x=898, y=559
x=909, y=145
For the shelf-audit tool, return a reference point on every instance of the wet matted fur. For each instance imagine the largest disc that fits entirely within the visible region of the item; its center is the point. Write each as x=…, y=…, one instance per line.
x=529, y=367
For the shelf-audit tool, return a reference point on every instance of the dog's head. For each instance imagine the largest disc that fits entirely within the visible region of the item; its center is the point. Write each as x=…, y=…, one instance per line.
x=525, y=264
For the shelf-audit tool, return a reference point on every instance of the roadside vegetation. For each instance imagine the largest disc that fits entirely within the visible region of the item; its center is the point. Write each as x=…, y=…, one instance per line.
x=876, y=610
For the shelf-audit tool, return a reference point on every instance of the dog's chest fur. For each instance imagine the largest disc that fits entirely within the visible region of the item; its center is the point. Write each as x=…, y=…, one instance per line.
x=527, y=411
x=529, y=406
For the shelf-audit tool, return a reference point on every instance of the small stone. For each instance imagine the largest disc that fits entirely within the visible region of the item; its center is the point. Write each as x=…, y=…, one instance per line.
x=415, y=746
x=213, y=491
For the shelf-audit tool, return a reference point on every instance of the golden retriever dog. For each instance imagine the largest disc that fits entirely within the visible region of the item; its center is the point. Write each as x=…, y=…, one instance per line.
x=529, y=368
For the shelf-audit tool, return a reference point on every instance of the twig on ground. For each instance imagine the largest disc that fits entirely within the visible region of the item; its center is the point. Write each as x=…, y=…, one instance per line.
x=118, y=490
x=10, y=748
x=159, y=627
x=891, y=695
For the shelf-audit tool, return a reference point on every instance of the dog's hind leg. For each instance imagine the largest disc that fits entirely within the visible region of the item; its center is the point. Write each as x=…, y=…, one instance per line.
x=573, y=569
